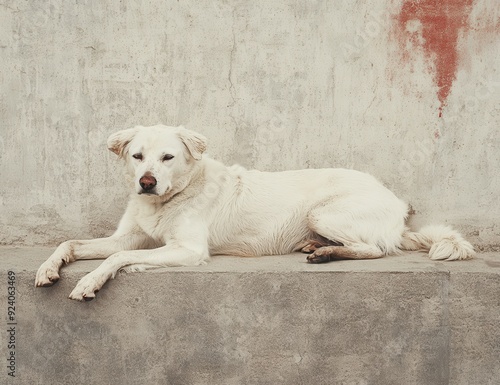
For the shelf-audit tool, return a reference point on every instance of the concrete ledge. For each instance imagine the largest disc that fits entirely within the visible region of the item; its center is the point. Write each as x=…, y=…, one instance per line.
x=270, y=320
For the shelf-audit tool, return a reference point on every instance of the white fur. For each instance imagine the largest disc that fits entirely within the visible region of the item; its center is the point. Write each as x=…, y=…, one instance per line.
x=200, y=207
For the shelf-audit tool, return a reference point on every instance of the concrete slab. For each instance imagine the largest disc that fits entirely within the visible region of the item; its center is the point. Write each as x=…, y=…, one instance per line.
x=268, y=320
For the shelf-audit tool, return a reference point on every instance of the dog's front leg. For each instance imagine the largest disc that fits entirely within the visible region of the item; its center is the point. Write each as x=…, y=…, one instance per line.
x=89, y=285
x=127, y=237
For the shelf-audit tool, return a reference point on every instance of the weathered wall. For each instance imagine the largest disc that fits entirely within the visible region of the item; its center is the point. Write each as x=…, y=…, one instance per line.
x=375, y=85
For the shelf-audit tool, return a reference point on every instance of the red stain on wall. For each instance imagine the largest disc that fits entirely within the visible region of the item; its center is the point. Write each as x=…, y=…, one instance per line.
x=441, y=22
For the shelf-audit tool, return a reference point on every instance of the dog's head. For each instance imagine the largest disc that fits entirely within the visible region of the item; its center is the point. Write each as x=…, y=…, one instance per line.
x=159, y=158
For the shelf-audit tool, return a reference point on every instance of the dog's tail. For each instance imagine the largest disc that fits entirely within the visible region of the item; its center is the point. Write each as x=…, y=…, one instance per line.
x=442, y=243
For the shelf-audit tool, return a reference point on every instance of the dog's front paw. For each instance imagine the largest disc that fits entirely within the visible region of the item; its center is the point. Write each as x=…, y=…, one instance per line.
x=46, y=275
x=86, y=289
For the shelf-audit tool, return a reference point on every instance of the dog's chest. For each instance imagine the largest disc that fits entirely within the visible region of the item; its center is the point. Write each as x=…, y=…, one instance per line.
x=154, y=222
x=149, y=224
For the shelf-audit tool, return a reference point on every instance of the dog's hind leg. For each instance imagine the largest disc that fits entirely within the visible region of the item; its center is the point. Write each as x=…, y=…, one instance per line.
x=355, y=251
x=363, y=232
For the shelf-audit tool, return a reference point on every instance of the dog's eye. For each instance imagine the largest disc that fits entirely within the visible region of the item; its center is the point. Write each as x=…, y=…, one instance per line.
x=137, y=156
x=167, y=157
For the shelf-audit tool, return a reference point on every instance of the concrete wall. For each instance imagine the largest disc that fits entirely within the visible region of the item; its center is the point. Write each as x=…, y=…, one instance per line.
x=376, y=85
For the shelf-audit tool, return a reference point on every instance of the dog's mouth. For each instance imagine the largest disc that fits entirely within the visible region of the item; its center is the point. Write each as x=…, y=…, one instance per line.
x=153, y=192
x=148, y=192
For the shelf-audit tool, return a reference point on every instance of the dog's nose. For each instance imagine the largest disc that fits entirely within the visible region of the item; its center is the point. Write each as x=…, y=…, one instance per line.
x=147, y=182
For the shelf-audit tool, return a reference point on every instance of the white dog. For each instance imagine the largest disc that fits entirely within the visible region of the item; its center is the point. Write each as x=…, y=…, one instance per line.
x=185, y=207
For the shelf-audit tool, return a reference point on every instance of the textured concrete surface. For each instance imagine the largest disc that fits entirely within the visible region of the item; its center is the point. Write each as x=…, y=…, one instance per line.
x=274, y=85
x=269, y=320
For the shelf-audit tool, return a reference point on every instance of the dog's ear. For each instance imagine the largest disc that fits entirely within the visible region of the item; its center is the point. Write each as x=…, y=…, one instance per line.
x=118, y=141
x=195, y=143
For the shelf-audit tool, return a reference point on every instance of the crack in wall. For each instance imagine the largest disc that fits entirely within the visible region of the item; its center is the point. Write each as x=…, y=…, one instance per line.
x=231, y=61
